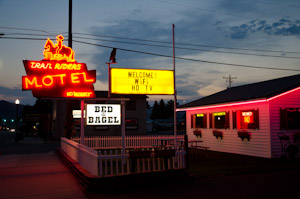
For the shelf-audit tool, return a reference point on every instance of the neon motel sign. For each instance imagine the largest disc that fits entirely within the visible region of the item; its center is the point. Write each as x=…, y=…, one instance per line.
x=58, y=74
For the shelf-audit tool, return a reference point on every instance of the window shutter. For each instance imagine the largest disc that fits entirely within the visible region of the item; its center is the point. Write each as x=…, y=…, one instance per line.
x=256, y=119
x=283, y=119
x=234, y=120
x=210, y=121
x=205, y=121
x=227, y=120
x=192, y=121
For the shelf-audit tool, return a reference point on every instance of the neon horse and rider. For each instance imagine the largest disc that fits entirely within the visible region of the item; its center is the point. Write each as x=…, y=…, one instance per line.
x=58, y=52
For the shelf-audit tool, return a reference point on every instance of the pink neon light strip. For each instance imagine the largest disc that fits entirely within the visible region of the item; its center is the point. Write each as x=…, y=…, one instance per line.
x=290, y=91
x=223, y=105
x=239, y=103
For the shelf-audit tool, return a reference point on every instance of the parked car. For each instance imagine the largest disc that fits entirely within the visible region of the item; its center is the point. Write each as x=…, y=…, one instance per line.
x=162, y=125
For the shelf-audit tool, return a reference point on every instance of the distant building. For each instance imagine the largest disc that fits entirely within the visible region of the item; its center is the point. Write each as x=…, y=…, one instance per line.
x=135, y=116
x=259, y=119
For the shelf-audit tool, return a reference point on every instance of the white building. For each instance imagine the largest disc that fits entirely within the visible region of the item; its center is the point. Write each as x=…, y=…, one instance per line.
x=259, y=119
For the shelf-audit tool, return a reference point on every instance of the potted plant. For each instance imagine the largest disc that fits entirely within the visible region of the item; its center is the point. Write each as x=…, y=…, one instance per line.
x=197, y=133
x=218, y=134
x=244, y=134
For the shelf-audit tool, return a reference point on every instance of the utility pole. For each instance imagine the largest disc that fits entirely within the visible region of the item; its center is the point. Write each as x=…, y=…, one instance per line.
x=70, y=25
x=70, y=103
x=229, y=80
x=175, y=94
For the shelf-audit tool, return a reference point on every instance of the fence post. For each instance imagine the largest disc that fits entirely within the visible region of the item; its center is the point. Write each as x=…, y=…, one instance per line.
x=186, y=147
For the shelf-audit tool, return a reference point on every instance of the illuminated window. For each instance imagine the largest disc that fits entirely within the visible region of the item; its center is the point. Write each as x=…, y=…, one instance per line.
x=220, y=120
x=200, y=120
x=290, y=118
x=246, y=119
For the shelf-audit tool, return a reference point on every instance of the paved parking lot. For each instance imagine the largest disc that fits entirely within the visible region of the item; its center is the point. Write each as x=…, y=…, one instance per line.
x=30, y=169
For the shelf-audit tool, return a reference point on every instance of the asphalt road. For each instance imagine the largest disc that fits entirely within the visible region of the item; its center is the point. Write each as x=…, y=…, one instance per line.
x=28, y=145
x=281, y=184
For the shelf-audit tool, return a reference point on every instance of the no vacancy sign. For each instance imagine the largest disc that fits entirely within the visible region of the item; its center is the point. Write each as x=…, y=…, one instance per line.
x=103, y=114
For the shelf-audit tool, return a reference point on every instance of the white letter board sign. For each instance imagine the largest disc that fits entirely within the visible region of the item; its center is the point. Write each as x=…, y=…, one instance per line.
x=103, y=114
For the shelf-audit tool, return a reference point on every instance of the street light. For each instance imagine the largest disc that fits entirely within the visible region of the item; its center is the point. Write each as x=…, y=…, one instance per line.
x=17, y=102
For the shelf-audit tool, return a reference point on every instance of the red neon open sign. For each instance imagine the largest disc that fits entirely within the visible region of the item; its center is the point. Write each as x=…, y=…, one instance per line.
x=248, y=117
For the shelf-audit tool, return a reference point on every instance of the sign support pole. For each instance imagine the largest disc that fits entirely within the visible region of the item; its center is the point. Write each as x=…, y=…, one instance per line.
x=82, y=122
x=123, y=131
x=108, y=93
x=175, y=92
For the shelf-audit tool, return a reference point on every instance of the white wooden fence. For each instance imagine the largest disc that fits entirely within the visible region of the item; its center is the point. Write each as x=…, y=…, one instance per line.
x=86, y=157
x=113, y=142
x=112, y=162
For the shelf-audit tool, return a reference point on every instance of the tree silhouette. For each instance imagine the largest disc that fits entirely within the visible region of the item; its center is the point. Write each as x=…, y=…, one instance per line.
x=155, y=111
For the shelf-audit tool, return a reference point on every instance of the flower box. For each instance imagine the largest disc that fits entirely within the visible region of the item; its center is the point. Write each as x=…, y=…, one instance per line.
x=244, y=135
x=218, y=134
x=197, y=133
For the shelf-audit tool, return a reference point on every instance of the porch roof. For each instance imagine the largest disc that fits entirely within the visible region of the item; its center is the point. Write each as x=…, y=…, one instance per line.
x=260, y=90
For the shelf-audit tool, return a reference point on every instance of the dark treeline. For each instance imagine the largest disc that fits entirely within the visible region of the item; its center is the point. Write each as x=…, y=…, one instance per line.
x=162, y=110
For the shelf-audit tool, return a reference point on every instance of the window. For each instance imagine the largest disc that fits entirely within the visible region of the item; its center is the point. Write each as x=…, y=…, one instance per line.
x=200, y=120
x=290, y=118
x=221, y=120
x=247, y=119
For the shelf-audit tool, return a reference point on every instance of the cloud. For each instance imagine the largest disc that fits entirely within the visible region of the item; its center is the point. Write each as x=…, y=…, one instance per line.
x=282, y=27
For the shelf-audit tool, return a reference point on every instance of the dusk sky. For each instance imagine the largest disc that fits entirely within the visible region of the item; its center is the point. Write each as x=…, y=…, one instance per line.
x=214, y=39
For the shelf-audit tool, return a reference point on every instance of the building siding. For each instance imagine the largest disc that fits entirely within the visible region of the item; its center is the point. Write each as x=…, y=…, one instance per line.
x=259, y=144
x=290, y=100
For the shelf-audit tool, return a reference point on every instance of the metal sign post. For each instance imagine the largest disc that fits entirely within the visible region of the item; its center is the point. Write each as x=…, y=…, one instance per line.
x=175, y=92
x=82, y=122
x=123, y=131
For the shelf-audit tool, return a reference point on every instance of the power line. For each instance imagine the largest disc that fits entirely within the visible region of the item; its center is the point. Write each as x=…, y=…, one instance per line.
x=193, y=49
x=188, y=59
x=155, y=41
x=196, y=45
x=27, y=29
x=166, y=56
x=164, y=46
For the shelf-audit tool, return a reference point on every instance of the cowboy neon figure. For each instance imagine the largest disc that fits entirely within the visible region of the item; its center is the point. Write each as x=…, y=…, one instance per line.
x=58, y=52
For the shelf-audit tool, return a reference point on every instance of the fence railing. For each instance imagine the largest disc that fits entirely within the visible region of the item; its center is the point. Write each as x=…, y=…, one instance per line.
x=110, y=162
x=86, y=157
x=113, y=162
x=113, y=142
